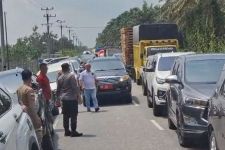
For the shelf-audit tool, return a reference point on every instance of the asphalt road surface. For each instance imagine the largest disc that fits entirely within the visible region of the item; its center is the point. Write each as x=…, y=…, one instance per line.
x=121, y=127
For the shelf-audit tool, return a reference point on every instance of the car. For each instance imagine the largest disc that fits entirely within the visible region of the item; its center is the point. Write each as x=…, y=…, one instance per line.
x=216, y=116
x=12, y=80
x=56, y=60
x=17, y=131
x=155, y=84
x=54, y=69
x=114, y=83
x=192, y=82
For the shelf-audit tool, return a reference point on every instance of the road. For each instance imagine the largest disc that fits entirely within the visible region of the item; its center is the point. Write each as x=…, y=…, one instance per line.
x=123, y=127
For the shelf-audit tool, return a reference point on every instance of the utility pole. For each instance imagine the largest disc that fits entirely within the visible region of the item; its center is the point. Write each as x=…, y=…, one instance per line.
x=61, y=26
x=74, y=36
x=61, y=31
x=6, y=39
x=48, y=16
x=2, y=35
x=69, y=30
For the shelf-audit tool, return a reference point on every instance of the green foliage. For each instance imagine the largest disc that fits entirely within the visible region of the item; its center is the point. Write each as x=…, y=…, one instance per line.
x=110, y=37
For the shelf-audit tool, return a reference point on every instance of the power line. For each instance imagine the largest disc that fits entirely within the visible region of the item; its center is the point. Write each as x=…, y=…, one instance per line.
x=48, y=16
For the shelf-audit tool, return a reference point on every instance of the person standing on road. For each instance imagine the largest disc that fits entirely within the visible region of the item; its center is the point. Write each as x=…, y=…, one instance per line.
x=26, y=97
x=69, y=93
x=88, y=84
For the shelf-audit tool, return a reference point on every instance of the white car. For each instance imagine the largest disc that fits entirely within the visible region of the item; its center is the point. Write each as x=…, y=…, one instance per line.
x=156, y=86
x=17, y=131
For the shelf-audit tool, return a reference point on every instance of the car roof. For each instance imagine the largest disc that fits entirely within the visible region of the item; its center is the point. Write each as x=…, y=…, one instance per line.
x=203, y=56
x=174, y=54
x=11, y=71
x=107, y=58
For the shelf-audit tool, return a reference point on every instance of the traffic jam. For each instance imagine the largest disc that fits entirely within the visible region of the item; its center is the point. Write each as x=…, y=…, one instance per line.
x=185, y=87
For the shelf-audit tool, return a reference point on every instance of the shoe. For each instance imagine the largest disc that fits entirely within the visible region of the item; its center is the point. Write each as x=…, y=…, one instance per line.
x=97, y=109
x=88, y=110
x=76, y=134
x=68, y=133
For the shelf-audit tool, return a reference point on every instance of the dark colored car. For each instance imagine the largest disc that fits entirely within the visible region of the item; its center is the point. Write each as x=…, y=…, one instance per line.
x=192, y=83
x=216, y=128
x=114, y=83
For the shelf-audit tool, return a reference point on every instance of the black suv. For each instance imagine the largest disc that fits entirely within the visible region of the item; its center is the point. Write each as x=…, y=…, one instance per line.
x=192, y=82
x=216, y=119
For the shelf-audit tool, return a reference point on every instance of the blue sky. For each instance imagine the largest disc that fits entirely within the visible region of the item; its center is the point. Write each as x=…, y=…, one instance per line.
x=22, y=15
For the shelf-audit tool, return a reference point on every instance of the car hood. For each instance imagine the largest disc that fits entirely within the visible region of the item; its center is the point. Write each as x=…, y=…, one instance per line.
x=162, y=74
x=203, y=91
x=53, y=86
x=102, y=74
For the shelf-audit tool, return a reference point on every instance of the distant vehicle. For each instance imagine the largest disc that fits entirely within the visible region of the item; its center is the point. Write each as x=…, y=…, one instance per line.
x=53, y=71
x=87, y=57
x=155, y=86
x=114, y=84
x=86, y=53
x=216, y=127
x=118, y=55
x=192, y=83
x=55, y=60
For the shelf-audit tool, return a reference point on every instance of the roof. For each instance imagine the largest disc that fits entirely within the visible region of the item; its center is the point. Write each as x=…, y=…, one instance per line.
x=106, y=58
x=203, y=56
x=174, y=54
x=16, y=70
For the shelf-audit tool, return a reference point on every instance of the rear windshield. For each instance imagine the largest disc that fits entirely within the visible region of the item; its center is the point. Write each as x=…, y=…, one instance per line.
x=105, y=65
x=203, y=71
x=165, y=63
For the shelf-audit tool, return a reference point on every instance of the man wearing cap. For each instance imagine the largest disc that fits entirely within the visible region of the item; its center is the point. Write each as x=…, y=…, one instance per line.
x=69, y=93
x=88, y=84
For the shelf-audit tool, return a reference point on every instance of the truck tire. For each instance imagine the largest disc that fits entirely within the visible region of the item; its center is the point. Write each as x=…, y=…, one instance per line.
x=148, y=99
x=139, y=81
x=144, y=89
x=156, y=108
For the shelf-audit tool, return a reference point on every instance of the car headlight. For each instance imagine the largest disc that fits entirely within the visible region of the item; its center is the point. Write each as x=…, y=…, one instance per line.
x=160, y=81
x=124, y=78
x=196, y=102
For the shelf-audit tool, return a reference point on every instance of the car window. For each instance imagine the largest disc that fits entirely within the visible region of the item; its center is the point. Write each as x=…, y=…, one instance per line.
x=165, y=63
x=5, y=102
x=105, y=65
x=203, y=71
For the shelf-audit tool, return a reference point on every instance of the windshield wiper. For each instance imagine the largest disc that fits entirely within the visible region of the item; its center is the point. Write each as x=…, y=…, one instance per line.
x=101, y=70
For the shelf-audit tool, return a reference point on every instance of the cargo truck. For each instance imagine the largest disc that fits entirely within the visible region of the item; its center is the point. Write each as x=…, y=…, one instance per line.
x=148, y=40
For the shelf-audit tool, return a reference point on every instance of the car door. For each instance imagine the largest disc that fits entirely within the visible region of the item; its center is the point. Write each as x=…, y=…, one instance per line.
x=150, y=75
x=175, y=90
x=8, y=121
x=219, y=117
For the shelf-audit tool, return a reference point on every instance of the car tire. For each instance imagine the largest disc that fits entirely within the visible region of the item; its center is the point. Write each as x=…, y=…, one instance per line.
x=156, y=108
x=144, y=89
x=183, y=141
x=171, y=124
x=129, y=99
x=212, y=142
x=150, y=105
x=139, y=81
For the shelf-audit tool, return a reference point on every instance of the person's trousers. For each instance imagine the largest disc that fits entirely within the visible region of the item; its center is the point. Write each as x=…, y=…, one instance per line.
x=70, y=112
x=90, y=94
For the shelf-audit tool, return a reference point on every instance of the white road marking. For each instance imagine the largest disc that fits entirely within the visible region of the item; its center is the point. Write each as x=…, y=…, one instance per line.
x=157, y=125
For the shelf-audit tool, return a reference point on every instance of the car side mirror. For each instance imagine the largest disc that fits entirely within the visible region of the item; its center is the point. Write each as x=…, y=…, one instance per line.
x=172, y=79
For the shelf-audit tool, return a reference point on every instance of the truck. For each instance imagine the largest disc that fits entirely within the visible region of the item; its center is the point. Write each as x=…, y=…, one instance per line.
x=147, y=40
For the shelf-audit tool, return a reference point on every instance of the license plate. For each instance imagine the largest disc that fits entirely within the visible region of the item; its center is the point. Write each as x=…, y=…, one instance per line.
x=106, y=87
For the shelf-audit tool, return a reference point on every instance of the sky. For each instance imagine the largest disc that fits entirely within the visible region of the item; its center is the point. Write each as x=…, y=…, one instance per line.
x=22, y=15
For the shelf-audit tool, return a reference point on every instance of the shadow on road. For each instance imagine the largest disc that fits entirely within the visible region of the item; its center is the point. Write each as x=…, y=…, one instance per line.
x=88, y=136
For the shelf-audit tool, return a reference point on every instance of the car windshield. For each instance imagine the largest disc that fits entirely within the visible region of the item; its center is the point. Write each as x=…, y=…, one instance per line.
x=52, y=76
x=11, y=82
x=104, y=65
x=165, y=63
x=203, y=71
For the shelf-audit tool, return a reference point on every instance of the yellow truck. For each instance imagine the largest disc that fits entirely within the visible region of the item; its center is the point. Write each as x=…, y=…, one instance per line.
x=149, y=40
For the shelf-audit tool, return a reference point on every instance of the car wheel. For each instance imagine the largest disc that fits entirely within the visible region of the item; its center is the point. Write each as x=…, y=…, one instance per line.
x=144, y=89
x=171, y=124
x=183, y=141
x=212, y=142
x=156, y=108
x=139, y=81
x=149, y=102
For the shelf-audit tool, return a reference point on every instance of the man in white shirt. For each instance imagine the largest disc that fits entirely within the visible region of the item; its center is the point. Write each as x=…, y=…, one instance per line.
x=88, y=84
